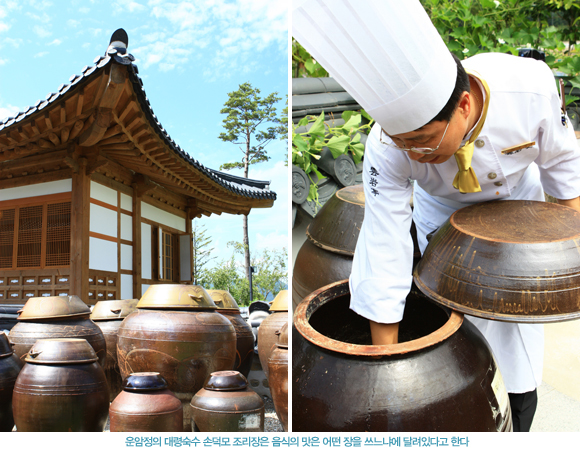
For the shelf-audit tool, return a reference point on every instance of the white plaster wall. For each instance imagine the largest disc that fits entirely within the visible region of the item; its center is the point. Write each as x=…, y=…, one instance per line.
x=126, y=227
x=104, y=194
x=102, y=255
x=126, y=202
x=126, y=257
x=126, y=287
x=29, y=191
x=103, y=220
x=145, y=251
x=160, y=216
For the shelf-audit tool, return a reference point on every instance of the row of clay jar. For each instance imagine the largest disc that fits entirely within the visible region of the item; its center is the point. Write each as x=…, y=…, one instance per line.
x=175, y=331
x=61, y=387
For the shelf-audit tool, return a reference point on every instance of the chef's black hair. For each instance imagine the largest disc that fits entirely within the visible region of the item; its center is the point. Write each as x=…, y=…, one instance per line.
x=461, y=85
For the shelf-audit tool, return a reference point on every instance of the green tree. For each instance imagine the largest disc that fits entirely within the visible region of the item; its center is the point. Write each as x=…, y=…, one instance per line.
x=225, y=276
x=271, y=274
x=253, y=123
x=201, y=252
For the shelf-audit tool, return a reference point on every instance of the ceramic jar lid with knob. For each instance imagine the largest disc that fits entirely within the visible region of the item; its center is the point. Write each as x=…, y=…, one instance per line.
x=515, y=261
x=53, y=307
x=61, y=351
x=223, y=299
x=113, y=309
x=280, y=302
x=175, y=296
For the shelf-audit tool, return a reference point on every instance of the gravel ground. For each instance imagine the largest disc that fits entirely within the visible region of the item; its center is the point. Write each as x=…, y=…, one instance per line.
x=271, y=422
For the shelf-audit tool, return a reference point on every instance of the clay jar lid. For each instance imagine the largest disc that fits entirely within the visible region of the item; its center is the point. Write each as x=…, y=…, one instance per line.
x=144, y=382
x=515, y=261
x=5, y=348
x=176, y=296
x=226, y=380
x=223, y=299
x=336, y=226
x=280, y=303
x=113, y=309
x=61, y=351
x=282, y=336
x=53, y=307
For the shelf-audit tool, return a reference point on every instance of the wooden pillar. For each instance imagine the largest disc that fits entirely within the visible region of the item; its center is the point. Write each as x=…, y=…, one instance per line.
x=79, y=250
x=137, y=264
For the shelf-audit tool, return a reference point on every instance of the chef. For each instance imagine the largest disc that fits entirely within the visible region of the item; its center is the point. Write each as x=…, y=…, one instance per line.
x=486, y=128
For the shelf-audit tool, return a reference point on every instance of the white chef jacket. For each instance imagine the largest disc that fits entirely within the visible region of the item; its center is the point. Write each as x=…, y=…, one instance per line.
x=524, y=107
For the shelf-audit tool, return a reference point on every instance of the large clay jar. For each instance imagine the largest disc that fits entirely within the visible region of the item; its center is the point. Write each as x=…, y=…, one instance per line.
x=61, y=388
x=108, y=315
x=226, y=404
x=267, y=337
x=326, y=255
x=146, y=405
x=441, y=377
x=53, y=318
x=278, y=372
x=228, y=307
x=10, y=366
x=177, y=332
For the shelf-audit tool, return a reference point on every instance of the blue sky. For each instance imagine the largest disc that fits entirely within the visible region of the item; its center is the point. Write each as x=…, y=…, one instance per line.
x=190, y=54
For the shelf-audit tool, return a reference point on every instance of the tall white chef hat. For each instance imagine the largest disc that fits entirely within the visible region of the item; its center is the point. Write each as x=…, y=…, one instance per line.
x=386, y=53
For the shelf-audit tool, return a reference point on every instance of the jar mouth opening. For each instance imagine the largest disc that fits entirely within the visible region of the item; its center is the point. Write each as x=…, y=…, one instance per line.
x=318, y=299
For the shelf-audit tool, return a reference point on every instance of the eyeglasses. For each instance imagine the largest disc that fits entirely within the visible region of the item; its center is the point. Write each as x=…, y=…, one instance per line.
x=413, y=148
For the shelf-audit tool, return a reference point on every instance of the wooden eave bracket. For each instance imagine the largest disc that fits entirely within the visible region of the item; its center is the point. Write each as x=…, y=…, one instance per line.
x=104, y=112
x=142, y=185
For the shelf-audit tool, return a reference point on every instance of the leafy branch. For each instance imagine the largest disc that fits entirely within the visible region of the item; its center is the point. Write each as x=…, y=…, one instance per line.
x=343, y=139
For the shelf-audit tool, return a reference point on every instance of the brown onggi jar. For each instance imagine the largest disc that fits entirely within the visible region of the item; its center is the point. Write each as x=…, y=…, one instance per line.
x=61, y=388
x=146, y=405
x=177, y=332
x=226, y=404
x=441, y=377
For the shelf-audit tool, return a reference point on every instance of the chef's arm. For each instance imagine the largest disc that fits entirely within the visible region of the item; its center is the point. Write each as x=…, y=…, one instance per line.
x=384, y=333
x=574, y=203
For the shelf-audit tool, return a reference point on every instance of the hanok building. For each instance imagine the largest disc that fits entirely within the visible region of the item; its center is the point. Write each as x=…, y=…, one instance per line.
x=96, y=199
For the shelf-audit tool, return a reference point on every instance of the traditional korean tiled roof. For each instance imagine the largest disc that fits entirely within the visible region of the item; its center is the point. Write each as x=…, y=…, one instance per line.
x=237, y=185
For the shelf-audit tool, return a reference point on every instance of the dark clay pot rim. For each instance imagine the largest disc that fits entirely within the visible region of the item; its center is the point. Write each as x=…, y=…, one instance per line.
x=327, y=293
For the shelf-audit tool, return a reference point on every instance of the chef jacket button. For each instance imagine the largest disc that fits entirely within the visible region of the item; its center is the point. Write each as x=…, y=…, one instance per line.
x=479, y=143
x=492, y=175
x=498, y=184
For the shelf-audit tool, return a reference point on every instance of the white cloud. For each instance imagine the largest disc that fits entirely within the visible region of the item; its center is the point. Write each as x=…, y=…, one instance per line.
x=4, y=27
x=3, y=61
x=84, y=10
x=41, y=32
x=8, y=111
x=56, y=42
x=129, y=5
x=39, y=4
x=44, y=18
x=273, y=240
x=40, y=54
x=73, y=23
x=12, y=42
x=238, y=29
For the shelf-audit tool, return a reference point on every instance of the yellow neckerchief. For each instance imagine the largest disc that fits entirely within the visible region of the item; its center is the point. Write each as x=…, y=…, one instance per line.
x=465, y=179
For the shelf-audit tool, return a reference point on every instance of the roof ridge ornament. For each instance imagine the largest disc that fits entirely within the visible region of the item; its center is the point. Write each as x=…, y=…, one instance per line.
x=119, y=42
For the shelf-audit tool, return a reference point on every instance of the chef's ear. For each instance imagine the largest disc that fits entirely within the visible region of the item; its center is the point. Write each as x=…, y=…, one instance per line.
x=465, y=104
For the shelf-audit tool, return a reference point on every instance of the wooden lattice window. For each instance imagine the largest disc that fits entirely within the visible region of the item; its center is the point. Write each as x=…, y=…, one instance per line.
x=29, y=237
x=58, y=234
x=6, y=237
x=35, y=236
x=168, y=255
